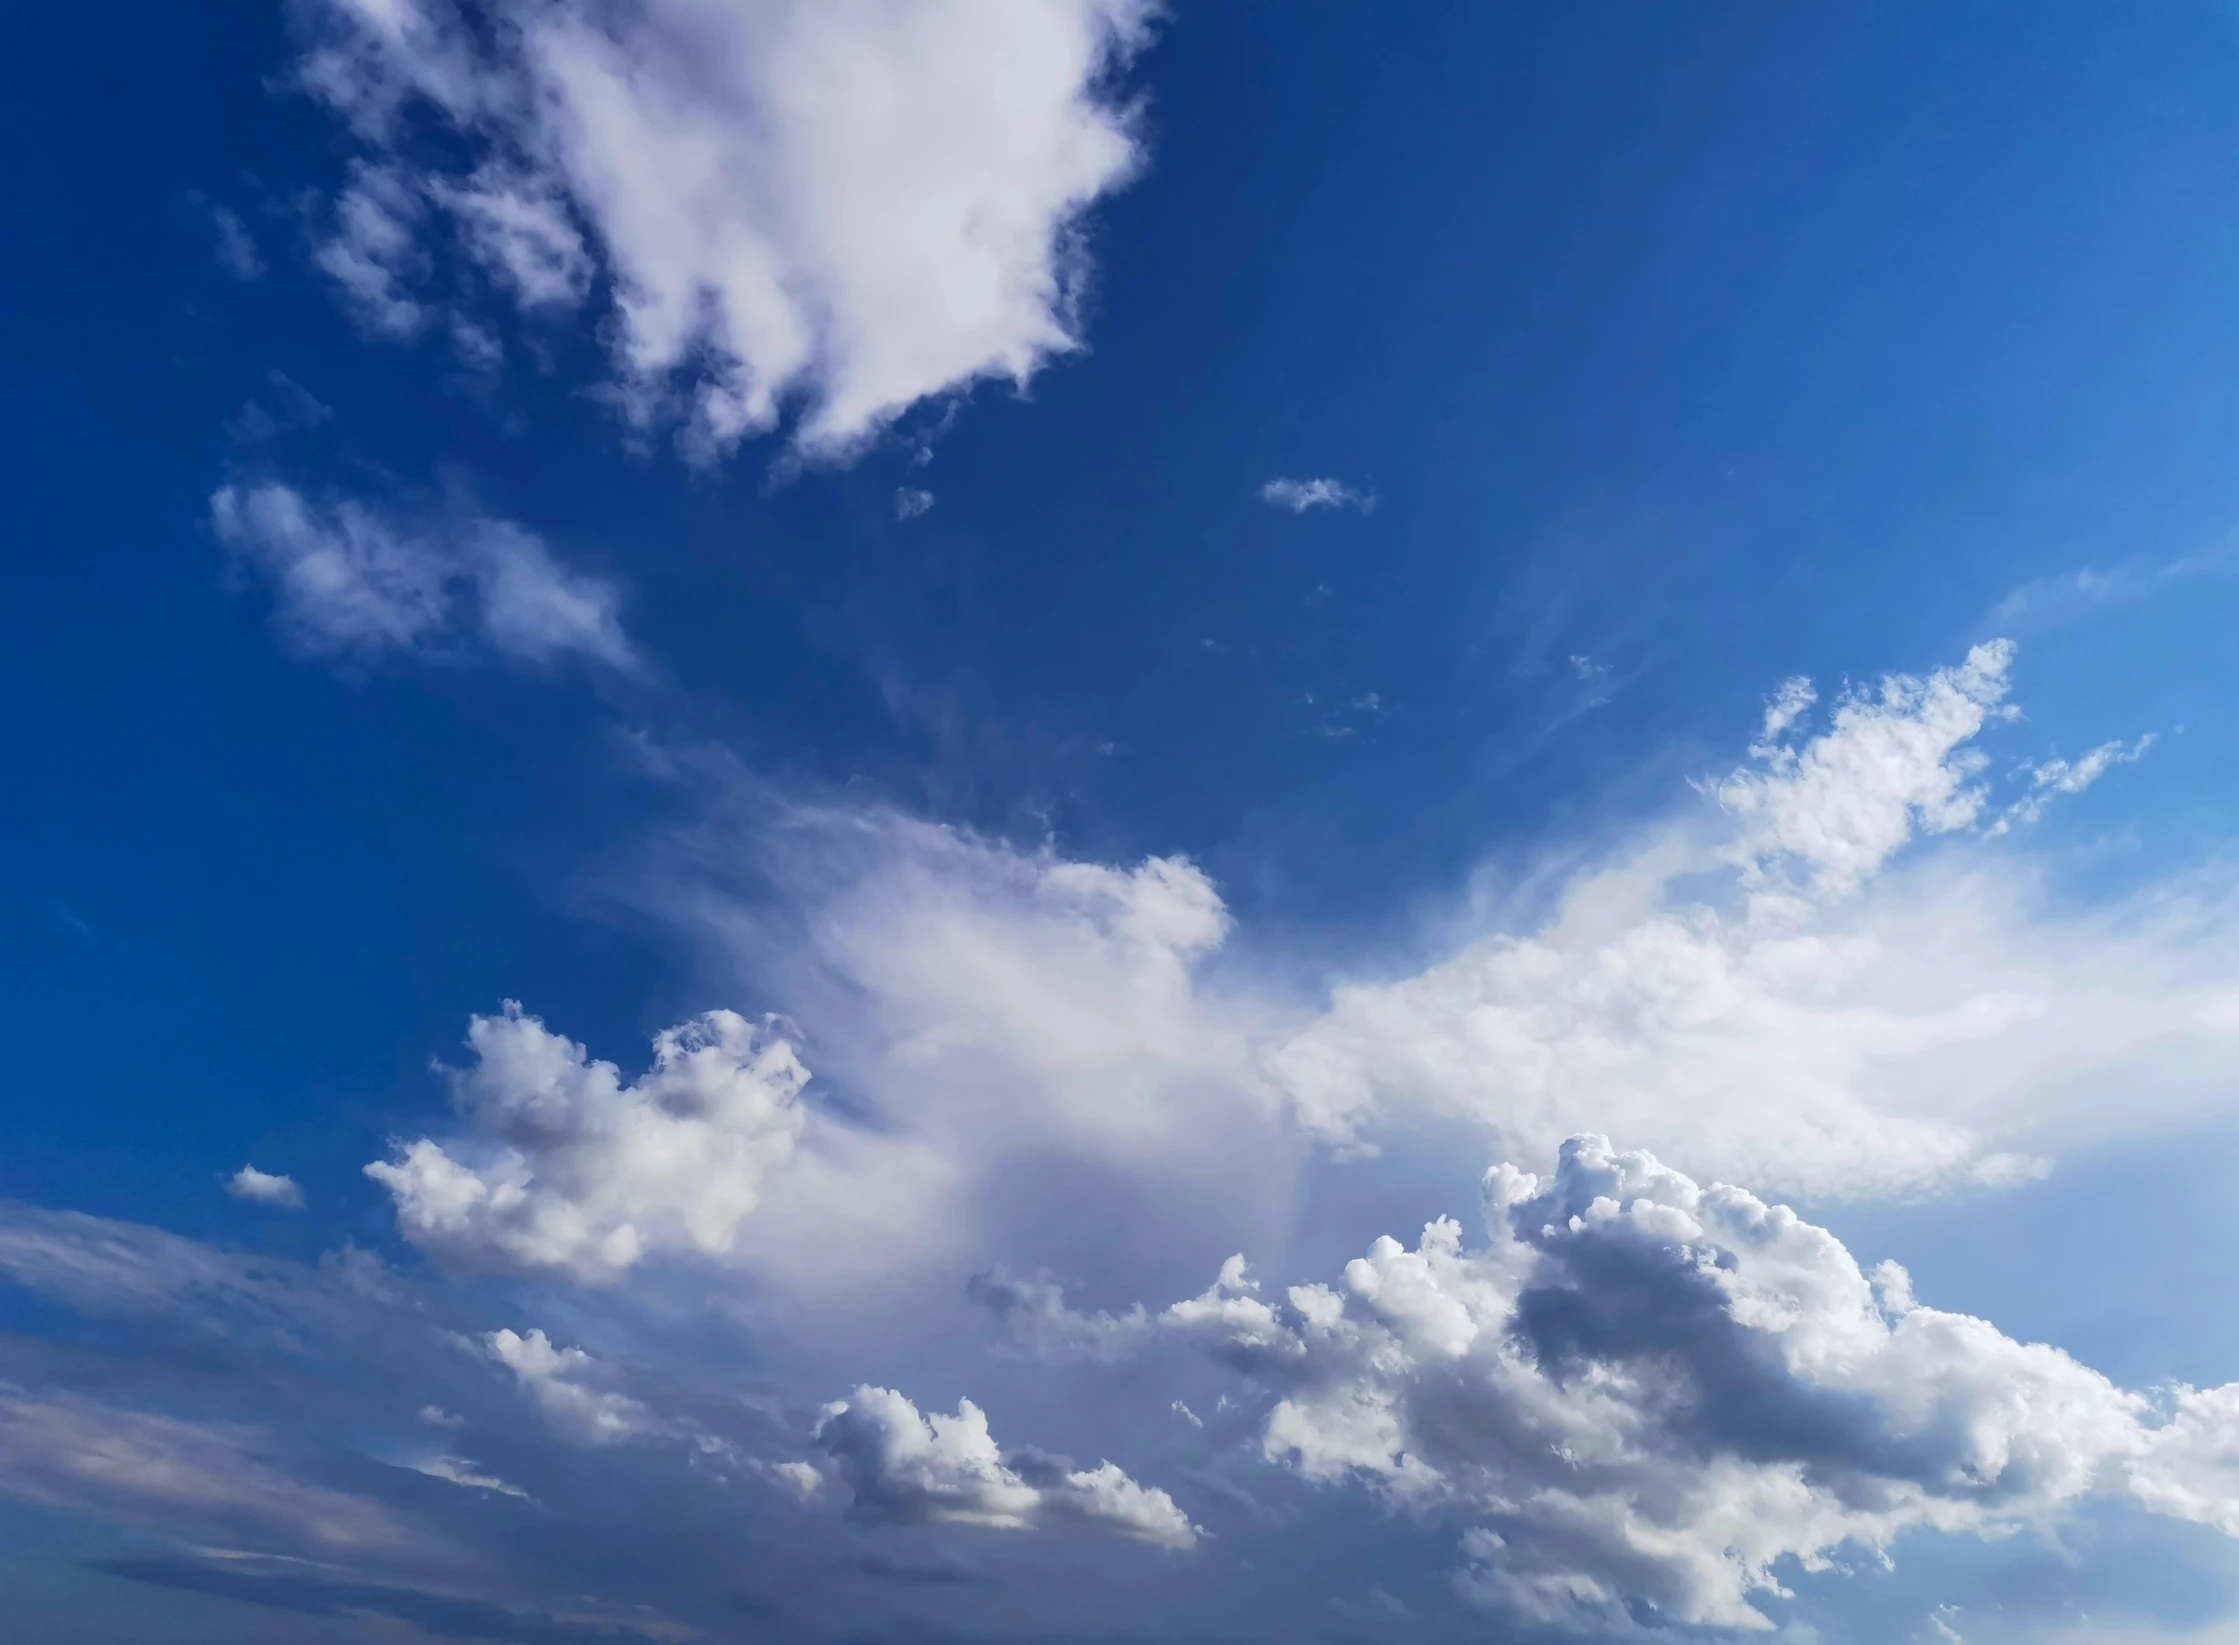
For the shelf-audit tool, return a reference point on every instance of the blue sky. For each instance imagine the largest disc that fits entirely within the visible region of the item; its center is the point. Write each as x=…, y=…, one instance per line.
x=737, y=730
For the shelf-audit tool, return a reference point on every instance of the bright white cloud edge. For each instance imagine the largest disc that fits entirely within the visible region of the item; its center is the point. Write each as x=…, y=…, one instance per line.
x=853, y=207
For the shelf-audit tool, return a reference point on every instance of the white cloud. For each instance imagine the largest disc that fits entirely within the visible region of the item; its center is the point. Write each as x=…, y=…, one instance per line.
x=564, y=1382
x=373, y=254
x=566, y=1168
x=2055, y=778
x=519, y=228
x=465, y=1474
x=1645, y=1394
x=855, y=206
x=1784, y=989
x=353, y=582
x=910, y=502
x=1835, y=1021
x=993, y=1016
x=904, y=1468
x=2188, y=1467
x=1299, y=496
x=264, y=1188
x=1894, y=762
x=801, y=1478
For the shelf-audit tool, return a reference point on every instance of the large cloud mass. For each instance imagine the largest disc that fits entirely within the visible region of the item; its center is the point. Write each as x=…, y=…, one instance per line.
x=856, y=204
x=1644, y=1398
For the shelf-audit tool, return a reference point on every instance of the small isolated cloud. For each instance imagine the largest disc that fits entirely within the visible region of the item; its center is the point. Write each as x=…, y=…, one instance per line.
x=353, y=582
x=1299, y=496
x=804, y=1479
x=904, y=1468
x=465, y=1474
x=262, y=1188
x=2054, y=778
x=910, y=502
x=232, y=245
x=565, y=1383
x=565, y=1169
x=839, y=209
x=1642, y=1398
x=285, y=407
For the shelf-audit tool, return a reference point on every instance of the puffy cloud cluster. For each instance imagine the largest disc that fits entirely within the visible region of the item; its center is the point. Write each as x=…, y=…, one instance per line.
x=856, y=204
x=568, y=1169
x=1645, y=1399
x=903, y=1467
x=351, y=581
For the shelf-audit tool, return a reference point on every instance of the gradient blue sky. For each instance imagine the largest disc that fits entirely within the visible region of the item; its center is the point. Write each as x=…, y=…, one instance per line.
x=1141, y=869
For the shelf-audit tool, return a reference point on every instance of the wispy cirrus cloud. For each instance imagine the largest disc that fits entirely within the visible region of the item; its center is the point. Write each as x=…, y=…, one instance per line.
x=354, y=582
x=1304, y=496
x=2070, y=596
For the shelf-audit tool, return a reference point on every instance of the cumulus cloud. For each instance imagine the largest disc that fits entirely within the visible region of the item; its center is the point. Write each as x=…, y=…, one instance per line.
x=853, y=206
x=1299, y=496
x=353, y=582
x=263, y=1188
x=906, y=1468
x=910, y=502
x=1022, y=1039
x=566, y=1168
x=1640, y=1396
x=565, y=1383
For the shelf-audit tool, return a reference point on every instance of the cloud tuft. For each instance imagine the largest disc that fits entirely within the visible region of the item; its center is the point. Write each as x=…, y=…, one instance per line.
x=263, y=1188
x=849, y=207
x=352, y=582
x=904, y=1468
x=1301, y=496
